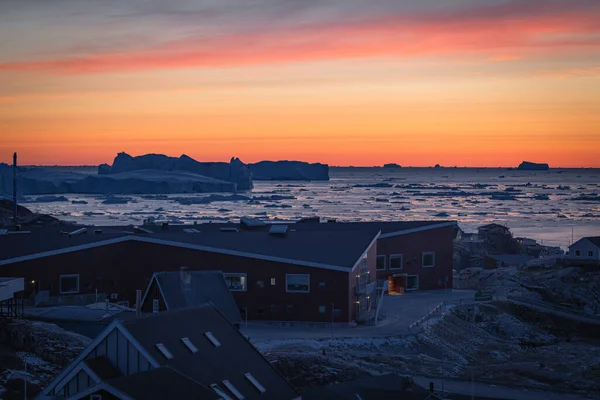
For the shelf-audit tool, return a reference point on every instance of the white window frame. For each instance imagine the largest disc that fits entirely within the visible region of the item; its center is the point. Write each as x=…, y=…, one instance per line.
x=296, y=291
x=384, y=262
x=273, y=281
x=426, y=253
x=411, y=289
x=238, y=274
x=155, y=305
x=401, y=262
x=68, y=276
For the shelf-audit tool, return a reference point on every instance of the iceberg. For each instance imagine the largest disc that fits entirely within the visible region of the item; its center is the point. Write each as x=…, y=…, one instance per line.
x=529, y=166
x=46, y=181
x=289, y=171
x=235, y=171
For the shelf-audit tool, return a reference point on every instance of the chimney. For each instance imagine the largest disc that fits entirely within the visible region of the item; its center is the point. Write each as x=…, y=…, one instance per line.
x=165, y=226
x=185, y=278
x=138, y=303
x=15, y=212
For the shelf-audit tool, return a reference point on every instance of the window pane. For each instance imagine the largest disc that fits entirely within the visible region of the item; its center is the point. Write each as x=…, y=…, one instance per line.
x=69, y=284
x=380, y=262
x=236, y=282
x=298, y=283
x=395, y=262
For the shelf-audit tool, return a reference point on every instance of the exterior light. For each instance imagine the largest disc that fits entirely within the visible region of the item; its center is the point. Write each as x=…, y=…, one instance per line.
x=33, y=281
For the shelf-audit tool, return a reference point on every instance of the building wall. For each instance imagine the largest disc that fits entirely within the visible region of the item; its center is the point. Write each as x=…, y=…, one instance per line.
x=123, y=268
x=584, y=245
x=412, y=246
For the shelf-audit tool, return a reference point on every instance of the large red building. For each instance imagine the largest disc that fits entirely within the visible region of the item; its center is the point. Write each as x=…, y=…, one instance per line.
x=306, y=272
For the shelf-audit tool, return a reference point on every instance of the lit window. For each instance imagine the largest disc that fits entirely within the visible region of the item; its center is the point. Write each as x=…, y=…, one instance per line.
x=236, y=282
x=256, y=384
x=396, y=261
x=212, y=339
x=188, y=343
x=161, y=347
x=272, y=281
x=429, y=259
x=380, y=266
x=297, y=283
x=220, y=392
x=69, y=284
x=233, y=390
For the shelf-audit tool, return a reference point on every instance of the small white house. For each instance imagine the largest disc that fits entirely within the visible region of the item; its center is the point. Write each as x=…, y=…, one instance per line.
x=586, y=248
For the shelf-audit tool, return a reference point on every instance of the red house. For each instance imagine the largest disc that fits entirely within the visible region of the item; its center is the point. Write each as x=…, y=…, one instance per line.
x=313, y=272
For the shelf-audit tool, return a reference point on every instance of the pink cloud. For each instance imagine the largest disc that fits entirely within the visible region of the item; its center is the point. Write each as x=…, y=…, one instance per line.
x=511, y=29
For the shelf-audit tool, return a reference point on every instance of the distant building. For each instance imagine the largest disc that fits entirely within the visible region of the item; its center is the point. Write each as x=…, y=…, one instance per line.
x=497, y=239
x=183, y=354
x=586, y=250
x=185, y=288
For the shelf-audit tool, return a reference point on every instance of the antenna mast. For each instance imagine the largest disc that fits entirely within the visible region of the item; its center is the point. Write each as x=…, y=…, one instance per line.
x=15, y=212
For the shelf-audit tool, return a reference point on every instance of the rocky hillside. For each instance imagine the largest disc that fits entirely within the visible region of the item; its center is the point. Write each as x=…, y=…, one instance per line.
x=26, y=216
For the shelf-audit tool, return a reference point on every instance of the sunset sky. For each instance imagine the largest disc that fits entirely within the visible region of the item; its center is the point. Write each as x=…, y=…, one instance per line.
x=346, y=82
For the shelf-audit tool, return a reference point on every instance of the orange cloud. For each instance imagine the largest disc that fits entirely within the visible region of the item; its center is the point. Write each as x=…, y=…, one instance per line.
x=500, y=30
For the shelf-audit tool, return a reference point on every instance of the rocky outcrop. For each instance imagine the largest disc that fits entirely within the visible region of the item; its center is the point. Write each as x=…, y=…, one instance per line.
x=289, y=171
x=529, y=166
x=49, y=342
x=235, y=171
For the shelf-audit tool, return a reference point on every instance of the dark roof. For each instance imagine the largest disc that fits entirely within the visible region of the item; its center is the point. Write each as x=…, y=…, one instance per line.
x=384, y=226
x=205, y=286
x=49, y=239
x=161, y=383
x=333, y=247
x=103, y=368
x=210, y=364
x=492, y=226
x=594, y=239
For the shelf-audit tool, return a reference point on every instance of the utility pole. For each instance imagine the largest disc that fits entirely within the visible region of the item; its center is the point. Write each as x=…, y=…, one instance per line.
x=15, y=211
x=332, y=318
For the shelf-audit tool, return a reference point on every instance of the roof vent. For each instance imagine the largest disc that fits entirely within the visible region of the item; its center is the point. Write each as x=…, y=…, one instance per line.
x=233, y=390
x=220, y=391
x=81, y=231
x=236, y=230
x=250, y=222
x=280, y=230
x=212, y=339
x=139, y=229
x=165, y=352
x=188, y=343
x=256, y=383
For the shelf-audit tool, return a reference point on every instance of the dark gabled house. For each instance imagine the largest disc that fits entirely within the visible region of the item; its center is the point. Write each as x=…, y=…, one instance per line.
x=186, y=288
x=191, y=353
